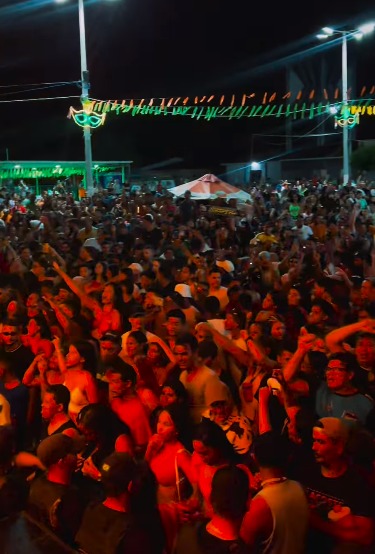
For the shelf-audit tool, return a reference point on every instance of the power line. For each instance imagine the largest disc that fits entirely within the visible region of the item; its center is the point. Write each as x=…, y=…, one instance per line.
x=295, y=136
x=38, y=99
x=29, y=90
x=38, y=84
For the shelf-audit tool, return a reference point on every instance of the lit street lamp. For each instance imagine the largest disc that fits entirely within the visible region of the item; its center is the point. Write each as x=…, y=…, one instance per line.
x=85, y=84
x=358, y=34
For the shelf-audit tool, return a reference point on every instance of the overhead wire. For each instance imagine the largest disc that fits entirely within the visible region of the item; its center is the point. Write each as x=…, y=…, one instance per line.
x=38, y=84
x=30, y=90
x=38, y=99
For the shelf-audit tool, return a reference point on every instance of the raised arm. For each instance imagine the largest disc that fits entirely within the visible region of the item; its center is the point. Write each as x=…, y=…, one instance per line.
x=29, y=379
x=60, y=355
x=305, y=343
x=85, y=298
x=264, y=417
x=226, y=344
x=61, y=318
x=335, y=338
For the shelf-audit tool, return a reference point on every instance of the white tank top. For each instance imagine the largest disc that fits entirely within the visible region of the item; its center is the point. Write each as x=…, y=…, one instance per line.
x=290, y=513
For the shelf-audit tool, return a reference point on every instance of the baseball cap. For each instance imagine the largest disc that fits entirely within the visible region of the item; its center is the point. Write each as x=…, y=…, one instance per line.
x=54, y=448
x=334, y=428
x=136, y=267
x=111, y=337
x=149, y=217
x=93, y=243
x=226, y=265
x=184, y=290
x=118, y=469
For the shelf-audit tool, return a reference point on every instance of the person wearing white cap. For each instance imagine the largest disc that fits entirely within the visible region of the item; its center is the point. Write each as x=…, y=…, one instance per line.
x=92, y=243
x=226, y=265
x=190, y=311
x=136, y=270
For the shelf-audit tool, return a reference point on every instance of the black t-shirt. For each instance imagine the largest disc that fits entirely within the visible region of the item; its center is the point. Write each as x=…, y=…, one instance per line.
x=194, y=539
x=56, y=506
x=13, y=494
x=350, y=490
x=20, y=360
x=187, y=210
x=67, y=425
x=105, y=530
x=153, y=237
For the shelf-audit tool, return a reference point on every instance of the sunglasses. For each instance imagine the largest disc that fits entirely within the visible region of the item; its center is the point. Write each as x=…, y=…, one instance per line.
x=12, y=334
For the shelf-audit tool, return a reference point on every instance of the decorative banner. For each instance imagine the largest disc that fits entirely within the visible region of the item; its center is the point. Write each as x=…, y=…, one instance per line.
x=362, y=110
x=241, y=99
x=296, y=110
x=87, y=117
x=347, y=120
x=46, y=173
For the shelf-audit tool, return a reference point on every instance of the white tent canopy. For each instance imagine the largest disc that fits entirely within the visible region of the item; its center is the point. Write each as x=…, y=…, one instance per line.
x=210, y=187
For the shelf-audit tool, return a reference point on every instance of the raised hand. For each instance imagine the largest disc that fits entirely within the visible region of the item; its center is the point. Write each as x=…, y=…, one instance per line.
x=306, y=341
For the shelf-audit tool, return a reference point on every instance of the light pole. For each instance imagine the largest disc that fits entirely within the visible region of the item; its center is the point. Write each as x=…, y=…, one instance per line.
x=85, y=88
x=345, y=35
x=85, y=83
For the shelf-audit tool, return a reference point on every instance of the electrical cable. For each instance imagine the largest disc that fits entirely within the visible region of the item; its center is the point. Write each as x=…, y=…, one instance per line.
x=38, y=84
x=29, y=90
x=37, y=99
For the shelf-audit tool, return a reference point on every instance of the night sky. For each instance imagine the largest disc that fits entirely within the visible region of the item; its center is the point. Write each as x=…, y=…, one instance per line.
x=156, y=48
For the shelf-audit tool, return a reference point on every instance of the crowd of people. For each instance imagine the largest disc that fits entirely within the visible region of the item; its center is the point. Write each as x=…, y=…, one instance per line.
x=181, y=376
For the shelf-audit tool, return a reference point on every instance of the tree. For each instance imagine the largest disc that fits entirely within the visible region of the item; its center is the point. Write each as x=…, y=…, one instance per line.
x=363, y=158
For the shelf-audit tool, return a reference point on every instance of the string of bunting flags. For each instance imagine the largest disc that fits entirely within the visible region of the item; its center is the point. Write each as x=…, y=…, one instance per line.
x=245, y=98
x=303, y=105
x=296, y=110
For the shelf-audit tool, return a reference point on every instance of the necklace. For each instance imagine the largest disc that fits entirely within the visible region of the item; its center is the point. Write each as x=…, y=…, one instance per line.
x=14, y=349
x=273, y=481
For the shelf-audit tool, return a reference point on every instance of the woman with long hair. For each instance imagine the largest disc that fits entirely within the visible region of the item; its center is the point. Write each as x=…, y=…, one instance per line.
x=104, y=433
x=212, y=450
x=173, y=393
x=159, y=361
x=78, y=368
x=167, y=456
x=147, y=385
x=99, y=280
x=170, y=462
x=107, y=313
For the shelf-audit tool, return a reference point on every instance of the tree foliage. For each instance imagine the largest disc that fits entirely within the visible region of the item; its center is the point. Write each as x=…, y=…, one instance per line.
x=363, y=158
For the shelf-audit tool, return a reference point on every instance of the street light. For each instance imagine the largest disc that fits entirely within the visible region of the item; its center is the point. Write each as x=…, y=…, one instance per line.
x=358, y=34
x=85, y=88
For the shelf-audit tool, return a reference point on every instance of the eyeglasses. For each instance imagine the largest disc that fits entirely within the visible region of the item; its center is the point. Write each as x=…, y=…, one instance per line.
x=12, y=334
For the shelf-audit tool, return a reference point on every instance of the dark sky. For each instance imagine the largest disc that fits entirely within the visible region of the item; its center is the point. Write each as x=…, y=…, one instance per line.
x=152, y=48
